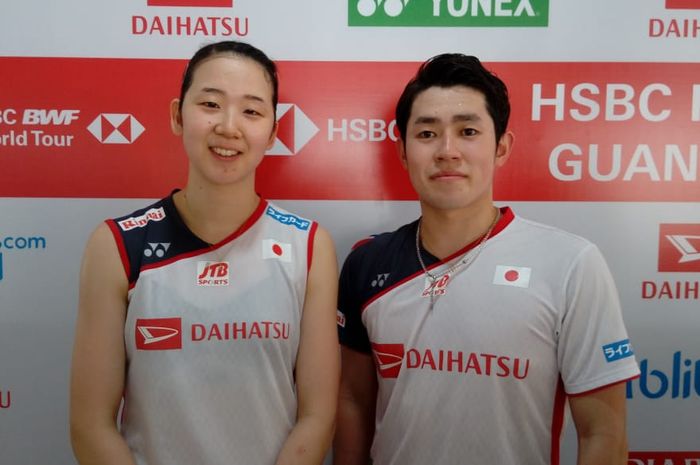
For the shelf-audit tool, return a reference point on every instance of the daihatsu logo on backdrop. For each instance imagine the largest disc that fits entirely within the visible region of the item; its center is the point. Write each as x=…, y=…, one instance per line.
x=214, y=23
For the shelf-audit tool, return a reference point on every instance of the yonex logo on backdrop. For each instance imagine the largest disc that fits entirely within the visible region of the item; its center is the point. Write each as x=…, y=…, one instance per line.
x=192, y=3
x=153, y=214
x=287, y=218
x=679, y=247
x=448, y=13
x=158, y=333
x=116, y=128
x=294, y=130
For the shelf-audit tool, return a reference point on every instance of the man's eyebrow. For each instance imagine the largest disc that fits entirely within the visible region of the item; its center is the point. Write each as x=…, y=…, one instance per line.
x=460, y=117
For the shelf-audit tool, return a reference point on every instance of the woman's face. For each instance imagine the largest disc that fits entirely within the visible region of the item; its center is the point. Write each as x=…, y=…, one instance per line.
x=227, y=121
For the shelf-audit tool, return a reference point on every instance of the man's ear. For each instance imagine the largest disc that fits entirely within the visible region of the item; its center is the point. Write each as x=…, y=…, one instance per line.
x=401, y=151
x=504, y=148
x=175, y=117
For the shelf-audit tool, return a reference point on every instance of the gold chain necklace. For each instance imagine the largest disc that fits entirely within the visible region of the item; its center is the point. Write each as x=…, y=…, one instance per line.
x=466, y=260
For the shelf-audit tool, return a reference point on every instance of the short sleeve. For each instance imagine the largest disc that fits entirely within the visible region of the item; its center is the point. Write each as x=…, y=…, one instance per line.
x=351, y=332
x=594, y=349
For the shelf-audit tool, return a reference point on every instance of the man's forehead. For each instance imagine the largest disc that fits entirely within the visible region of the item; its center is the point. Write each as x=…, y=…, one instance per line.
x=455, y=103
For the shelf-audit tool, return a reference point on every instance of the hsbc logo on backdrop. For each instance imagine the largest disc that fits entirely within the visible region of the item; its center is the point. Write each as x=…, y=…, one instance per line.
x=686, y=26
x=294, y=130
x=116, y=128
x=679, y=252
x=448, y=13
x=211, y=25
x=158, y=334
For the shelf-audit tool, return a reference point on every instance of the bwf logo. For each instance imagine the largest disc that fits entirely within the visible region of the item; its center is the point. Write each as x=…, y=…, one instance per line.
x=116, y=128
x=192, y=3
x=158, y=334
x=679, y=247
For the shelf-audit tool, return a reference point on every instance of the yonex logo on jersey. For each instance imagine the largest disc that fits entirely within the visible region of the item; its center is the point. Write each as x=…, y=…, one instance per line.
x=194, y=3
x=679, y=247
x=617, y=350
x=212, y=273
x=285, y=218
x=507, y=275
x=159, y=249
x=272, y=249
x=116, y=128
x=437, y=287
x=154, y=214
x=388, y=358
x=158, y=333
x=340, y=318
x=379, y=280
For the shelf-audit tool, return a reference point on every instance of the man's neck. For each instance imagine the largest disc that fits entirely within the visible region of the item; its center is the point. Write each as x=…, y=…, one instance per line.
x=445, y=232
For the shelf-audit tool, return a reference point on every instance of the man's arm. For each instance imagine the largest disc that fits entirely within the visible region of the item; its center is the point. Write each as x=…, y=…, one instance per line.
x=356, y=409
x=99, y=357
x=318, y=365
x=600, y=419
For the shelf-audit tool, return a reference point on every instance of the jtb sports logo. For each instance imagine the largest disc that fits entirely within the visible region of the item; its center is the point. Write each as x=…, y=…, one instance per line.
x=448, y=13
x=679, y=247
x=158, y=333
x=212, y=273
x=194, y=3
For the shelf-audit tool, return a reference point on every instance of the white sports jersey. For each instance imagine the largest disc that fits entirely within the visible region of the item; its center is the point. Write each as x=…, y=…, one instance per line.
x=211, y=336
x=482, y=378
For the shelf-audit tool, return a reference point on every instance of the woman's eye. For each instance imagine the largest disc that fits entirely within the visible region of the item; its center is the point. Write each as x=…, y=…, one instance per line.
x=210, y=104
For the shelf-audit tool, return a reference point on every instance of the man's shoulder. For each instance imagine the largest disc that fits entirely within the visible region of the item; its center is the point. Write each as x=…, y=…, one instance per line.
x=382, y=246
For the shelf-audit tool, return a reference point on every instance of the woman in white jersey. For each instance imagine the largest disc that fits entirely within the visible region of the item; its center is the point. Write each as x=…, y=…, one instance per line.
x=208, y=316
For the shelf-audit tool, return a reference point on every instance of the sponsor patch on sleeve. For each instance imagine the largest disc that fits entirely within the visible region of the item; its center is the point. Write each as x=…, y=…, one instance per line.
x=617, y=350
x=288, y=218
x=340, y=318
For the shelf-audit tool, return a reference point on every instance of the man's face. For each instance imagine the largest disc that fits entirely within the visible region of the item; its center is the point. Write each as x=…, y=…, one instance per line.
x=450, y=150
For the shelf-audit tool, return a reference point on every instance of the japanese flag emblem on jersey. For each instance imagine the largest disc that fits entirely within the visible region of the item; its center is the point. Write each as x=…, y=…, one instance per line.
x=517, y=276
x=272, y=249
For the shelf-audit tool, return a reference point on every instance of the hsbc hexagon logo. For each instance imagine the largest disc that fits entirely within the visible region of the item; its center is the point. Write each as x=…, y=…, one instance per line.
x=294, y=130
x=116, y=128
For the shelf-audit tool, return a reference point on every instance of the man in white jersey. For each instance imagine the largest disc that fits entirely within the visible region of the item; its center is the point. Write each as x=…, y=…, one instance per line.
x=465, y=332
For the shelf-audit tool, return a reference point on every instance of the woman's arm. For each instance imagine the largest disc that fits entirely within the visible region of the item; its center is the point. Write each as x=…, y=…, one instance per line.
x=318, y=361
x=99, y=359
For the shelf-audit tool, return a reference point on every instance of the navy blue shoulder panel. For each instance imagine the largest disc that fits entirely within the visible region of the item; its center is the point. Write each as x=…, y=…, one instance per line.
x=152, y=235
x=373, y=267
